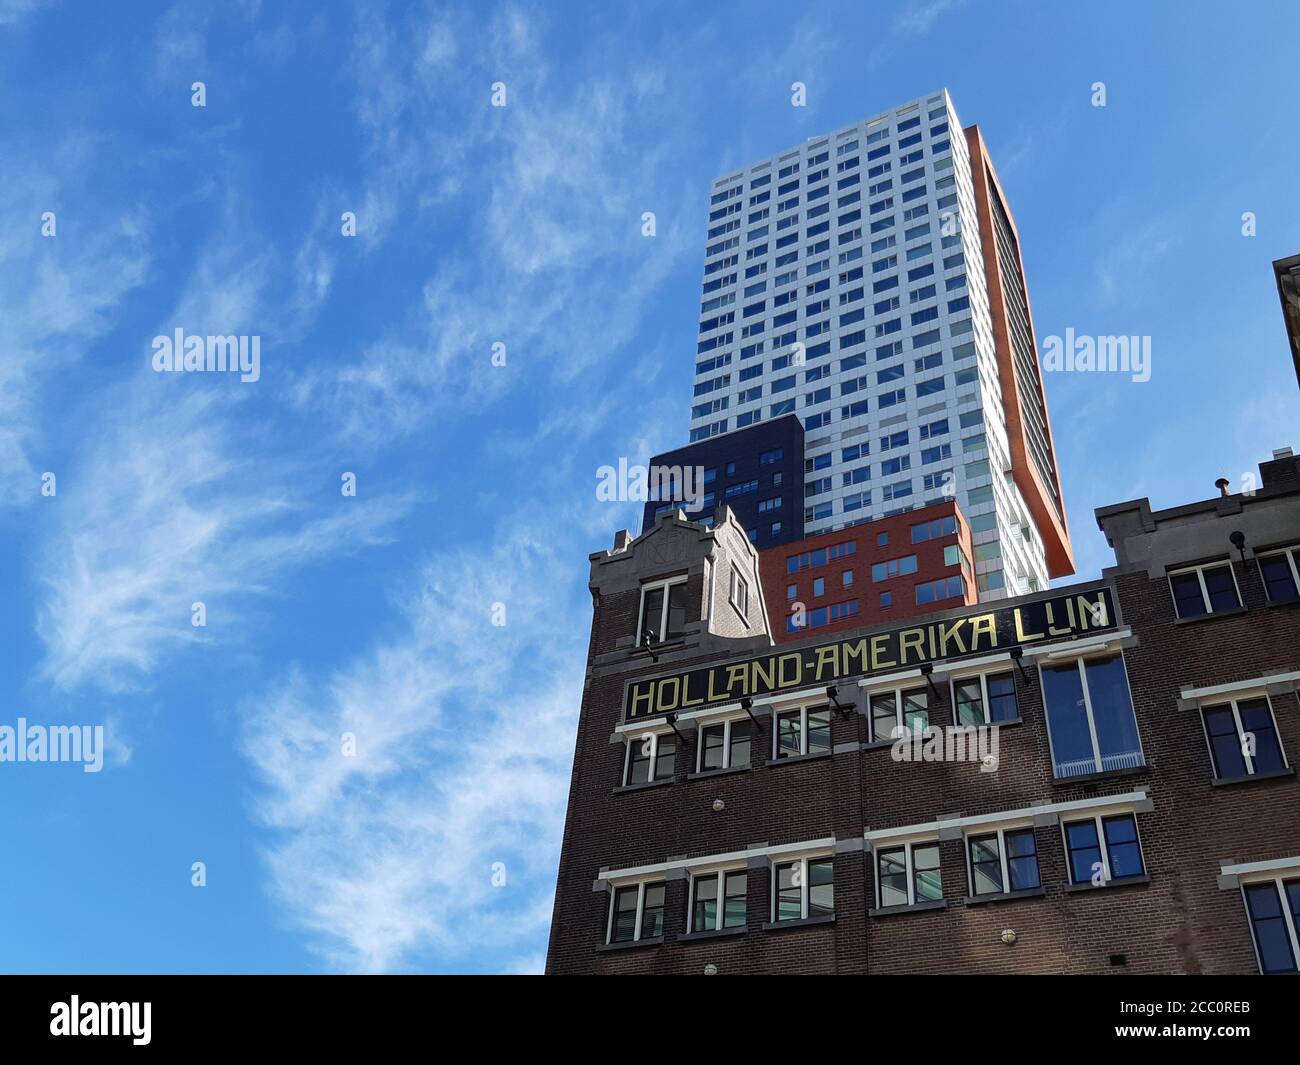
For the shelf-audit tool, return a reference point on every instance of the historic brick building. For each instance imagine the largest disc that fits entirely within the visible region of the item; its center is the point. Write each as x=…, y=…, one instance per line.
x=880, y=571
x=1120, y=795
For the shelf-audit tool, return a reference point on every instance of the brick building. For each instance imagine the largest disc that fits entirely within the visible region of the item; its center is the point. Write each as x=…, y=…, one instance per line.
x=891, y=568
x=1121, y=797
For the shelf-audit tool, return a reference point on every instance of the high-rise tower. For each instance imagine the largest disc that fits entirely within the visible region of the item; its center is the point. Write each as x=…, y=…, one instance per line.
x=870, y=281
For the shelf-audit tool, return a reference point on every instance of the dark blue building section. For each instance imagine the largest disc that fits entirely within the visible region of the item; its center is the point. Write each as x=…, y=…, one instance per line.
x=757, y=471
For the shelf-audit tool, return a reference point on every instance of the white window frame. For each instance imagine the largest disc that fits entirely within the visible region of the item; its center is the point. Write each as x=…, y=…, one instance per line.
x=802, y=709
x=1277, y=879
x=907, y=845
x=1231, y=701
x=896, y=690
x=1097, y=819
x=1199, y=570
x=640, y=737
x=802, y=862
x=721, y=872
x=1292, y=556
x=1000, y=831
x=650, y=586
x=1080, y=661
x=983, y=674
x=737, y=581
x=641, y=886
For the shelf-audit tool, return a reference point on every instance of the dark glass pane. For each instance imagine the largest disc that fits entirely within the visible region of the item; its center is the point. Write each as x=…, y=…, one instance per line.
x=676, y=611
x=1122, y=848
x=711, y=746
x=1002, y=697
x=638, y=769
x=884, y=716
x=706, y=904
x=970, y=701
x=1225, y=744
x=1067, y=720
x=1188, y=600
x=1022, y=859
x=789, y=895
x=891, y=869
x=1084, y=849
x=819, y=731
x=926, y=880
x=821, y=888
x=1269, y=924
x=916, y=714
x=986, y=866
x=1257, y=721
x=666, y=758
x=733, y=914
x=1222, y=588
x=1278, y=581
x=788, y=735
x=651, y=614
x=742, y=733
x=1112, y=714
x=624, y=928
x=652, y=914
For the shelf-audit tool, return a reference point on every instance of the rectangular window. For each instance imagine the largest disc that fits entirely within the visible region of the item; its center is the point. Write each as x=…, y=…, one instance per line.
x=650, y=757
x=1102, y=849
x=739, y=593
x=1274, y=910
x=726, y=745
x=718, y=901
x=803, y=888
x=636, y=912
x=908, y=874
x=1003, y=861
x=1201, y=590
x=1090, y=720
x=986, y=699
x=897, y=710
x=663, y=612
x=806, y=730
x=1280, y=572
x=1243, y=739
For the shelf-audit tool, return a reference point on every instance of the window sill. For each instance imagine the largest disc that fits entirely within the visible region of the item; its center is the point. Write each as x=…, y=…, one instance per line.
x=916, y=907
x=653, y=941
x=1105, y=774
x=877, y=745
x=1276, y=774
x=797, y=758
x=704, y=774
x=1074, y=889
x=716, y=933
x=659, y=649
x=1006, y=896
x=1236, y=611
x=642, y=787
x=803, y=922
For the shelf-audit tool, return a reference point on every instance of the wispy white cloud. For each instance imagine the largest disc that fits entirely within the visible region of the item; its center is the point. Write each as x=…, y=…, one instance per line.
x=463, y=734
x=61, y=295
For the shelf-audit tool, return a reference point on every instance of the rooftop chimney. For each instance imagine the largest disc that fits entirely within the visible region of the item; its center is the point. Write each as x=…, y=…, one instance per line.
x=1282, y=453
x=1222, y=485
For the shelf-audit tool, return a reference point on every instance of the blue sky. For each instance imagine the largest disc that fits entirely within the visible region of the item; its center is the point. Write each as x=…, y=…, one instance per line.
x=476, y=483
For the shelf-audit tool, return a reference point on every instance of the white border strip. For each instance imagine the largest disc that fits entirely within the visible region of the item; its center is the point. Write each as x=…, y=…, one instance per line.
x=930, y=828
x=637, y=872
x=1273, y=865
x=1213, y=690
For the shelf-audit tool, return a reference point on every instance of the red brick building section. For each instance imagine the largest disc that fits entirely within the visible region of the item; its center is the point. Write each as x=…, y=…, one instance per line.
x=797, y=582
